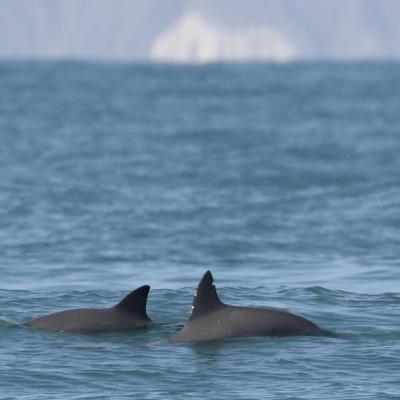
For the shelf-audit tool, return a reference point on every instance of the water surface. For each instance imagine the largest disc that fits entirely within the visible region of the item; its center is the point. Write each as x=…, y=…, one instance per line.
x=283, y=180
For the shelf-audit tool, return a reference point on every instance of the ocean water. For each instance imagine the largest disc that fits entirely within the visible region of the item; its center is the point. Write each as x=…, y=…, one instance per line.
x=283, y=180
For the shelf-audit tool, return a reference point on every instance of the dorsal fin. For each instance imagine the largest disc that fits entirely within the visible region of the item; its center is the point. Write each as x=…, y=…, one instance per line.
x=206, y=298
x=135, y=302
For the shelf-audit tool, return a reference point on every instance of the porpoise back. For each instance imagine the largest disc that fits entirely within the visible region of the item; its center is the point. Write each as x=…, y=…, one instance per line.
x=129, y=313
x=211, y=319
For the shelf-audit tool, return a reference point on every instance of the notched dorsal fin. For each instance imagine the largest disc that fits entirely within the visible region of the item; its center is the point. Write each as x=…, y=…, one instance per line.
x=206, y=298
x=135, y=302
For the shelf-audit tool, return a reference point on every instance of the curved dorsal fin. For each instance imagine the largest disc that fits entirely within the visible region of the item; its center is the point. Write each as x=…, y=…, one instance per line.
x=135, y=302
x=206, y=298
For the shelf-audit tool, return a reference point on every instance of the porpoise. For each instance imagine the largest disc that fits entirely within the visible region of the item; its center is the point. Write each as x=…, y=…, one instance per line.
x=129, y=313
x=211, y=319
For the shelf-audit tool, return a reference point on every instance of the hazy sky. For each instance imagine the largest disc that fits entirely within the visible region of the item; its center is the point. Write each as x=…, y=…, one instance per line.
x=200, y=30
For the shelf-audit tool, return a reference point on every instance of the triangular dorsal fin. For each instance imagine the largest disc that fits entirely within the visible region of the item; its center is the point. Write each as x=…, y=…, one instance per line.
x=135, y=302
x=206, y=298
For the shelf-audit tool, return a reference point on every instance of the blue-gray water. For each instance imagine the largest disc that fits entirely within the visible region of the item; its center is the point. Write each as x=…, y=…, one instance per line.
x=283, y=180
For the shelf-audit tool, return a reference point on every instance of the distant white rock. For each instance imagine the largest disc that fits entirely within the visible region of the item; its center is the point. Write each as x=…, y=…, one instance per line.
x=193, y=39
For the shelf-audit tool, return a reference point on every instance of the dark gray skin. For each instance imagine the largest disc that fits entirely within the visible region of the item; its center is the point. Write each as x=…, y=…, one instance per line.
x=211, y=319
x=128, y=314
